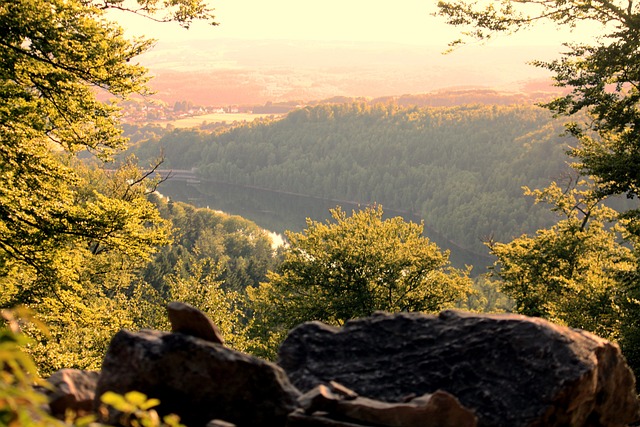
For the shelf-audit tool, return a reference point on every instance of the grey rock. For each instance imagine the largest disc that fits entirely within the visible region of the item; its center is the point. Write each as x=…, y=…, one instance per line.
x=188, y=320
x=299, y=419
x=439, y=409
x=197, y=380
x=510, y=370
x=72, y=389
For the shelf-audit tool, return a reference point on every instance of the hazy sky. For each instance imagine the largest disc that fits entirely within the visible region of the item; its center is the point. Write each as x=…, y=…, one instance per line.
x=398, y=21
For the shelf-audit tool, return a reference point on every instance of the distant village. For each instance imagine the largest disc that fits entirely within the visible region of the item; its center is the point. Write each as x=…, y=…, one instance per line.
x=139, y=110
x=136, y=111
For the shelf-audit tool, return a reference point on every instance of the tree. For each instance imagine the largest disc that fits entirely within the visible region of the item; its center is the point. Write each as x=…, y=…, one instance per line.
x=203, y=289
x=352, y=267
x=570, y=273
x=487, y=297
x=604, y=82
x=240, y=248
x=54, y=55
x=72, y=236
x=89, y=295
x=603, y=78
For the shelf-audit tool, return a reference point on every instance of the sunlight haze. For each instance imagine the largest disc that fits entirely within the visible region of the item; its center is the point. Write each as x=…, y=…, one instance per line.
x=403, y=21
x=286, y=50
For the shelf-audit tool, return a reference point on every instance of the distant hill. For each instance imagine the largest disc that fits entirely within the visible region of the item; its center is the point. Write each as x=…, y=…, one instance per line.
x=237, y=72
x=460, y=168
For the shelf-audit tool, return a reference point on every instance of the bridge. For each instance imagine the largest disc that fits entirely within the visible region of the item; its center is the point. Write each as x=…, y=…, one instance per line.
x=175, y=174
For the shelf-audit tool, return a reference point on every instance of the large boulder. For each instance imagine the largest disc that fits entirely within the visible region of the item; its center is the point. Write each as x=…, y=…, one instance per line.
x=198, y=380
x=510, y=370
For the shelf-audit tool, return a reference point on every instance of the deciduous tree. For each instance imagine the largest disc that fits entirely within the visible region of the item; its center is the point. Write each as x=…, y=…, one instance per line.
x=570, y=273
x=55, y=55
x=577, y=271
x=70, y=236
x=351, y=267
x=602, y=76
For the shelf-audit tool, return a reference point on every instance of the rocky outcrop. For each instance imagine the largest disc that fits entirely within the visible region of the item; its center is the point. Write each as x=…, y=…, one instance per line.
x=188, y=320
x=402, y=370
x=509, y=370
x=197, y=380
x=439, y=409
x=71, y=390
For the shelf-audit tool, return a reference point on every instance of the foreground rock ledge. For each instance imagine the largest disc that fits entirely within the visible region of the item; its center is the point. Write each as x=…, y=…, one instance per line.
x=197, y=379
x=510, y=370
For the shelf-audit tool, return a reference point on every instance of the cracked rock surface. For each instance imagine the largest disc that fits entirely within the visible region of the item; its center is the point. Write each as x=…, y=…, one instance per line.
x=510, y=370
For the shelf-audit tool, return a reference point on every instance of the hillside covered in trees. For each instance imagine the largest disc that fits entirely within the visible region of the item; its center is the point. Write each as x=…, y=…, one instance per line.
x=460, y=168
x=88, y=248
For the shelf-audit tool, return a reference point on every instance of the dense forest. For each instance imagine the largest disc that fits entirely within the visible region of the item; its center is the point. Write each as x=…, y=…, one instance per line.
x=241, y=252
x=88, y=247
x=460, y=168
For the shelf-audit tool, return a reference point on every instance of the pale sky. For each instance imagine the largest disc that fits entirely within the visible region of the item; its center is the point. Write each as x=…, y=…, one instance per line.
x=398, y=21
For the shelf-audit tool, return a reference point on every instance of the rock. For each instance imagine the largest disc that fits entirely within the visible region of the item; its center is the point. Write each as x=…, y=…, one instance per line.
x=431, y=410
x=439, y=409
x=299, y=419
x=342, y=391
x=73, y=389
x=219, y=423
x=319, y=398
x=510, y=370
x=197, y=380
x=188, y=320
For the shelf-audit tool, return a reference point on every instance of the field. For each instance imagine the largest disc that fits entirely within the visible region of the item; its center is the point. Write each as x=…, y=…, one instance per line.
x=194, y=121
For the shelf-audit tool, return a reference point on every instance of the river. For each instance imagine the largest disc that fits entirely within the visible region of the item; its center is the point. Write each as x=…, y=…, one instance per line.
x=277, y=212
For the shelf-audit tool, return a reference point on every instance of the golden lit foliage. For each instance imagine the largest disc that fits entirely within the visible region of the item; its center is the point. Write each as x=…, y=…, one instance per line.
x=352, y=267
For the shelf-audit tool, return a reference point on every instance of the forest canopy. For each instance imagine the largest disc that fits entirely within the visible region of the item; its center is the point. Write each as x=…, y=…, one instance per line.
x=460, y=168
x=72, y=236
x=90, y=251
x=350, y=267
x=584, y=270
